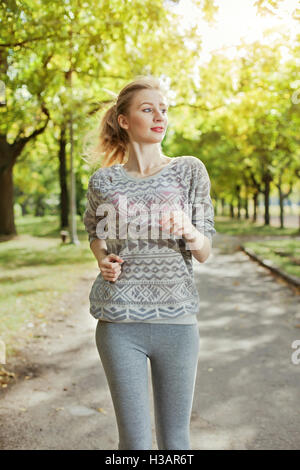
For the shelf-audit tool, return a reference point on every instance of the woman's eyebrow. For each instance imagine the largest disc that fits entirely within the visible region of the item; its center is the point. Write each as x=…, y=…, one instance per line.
x=147, y=102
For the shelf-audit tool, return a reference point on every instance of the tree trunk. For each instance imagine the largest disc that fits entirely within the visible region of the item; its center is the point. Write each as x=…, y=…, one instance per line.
x=39, y=206
x=9, y=153
x=282, y=196
x=267, y=180
x=24, y=207
x=281, y=206
x=246, y=202
x=7, y=221
x=64, y=200
x=216, y=206
x=299, y=216
x=238, y=189
x=255, y=201
x=246, y=207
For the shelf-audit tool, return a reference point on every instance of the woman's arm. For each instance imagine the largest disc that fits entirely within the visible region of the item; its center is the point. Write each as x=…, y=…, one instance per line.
x=199, y=244
x=179, y=224
x=108, y=263
x=90, y=219
x=200, y=237
x=99, y=248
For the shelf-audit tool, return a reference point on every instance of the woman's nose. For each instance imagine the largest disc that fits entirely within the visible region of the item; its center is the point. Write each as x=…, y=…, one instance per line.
x=159, y=115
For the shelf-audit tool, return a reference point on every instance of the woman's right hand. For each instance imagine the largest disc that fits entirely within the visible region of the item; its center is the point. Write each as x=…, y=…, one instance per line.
x=110, y=267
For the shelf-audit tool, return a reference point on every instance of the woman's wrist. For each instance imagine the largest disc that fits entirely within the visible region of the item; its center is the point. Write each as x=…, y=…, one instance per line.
x=101, y=254
x=191, y=234
x=194, y=239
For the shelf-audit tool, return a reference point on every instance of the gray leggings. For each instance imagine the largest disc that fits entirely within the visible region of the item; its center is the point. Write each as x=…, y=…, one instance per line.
x=173, y=353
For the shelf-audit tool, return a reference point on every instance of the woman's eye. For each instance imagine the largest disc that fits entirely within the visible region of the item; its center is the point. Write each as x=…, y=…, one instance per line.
x=164, y=110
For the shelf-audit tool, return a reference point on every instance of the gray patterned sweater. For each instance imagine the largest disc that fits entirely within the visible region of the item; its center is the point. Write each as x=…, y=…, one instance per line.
x=156, y=283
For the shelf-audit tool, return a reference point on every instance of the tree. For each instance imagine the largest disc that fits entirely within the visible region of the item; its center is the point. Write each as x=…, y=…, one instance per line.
x=111, y=44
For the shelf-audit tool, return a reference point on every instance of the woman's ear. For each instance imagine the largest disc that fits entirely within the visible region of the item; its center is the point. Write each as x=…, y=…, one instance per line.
x=122, y=121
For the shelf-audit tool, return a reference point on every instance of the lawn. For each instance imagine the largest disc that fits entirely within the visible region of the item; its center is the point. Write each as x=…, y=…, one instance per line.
x=283, y=252
x=246, y=227
x=36, y=268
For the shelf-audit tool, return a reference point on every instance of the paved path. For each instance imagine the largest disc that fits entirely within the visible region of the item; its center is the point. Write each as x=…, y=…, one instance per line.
x=247, y=388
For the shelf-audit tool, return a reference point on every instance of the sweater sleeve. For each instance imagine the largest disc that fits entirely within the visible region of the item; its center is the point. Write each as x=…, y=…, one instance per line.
x=202, y=207
x=90, y=218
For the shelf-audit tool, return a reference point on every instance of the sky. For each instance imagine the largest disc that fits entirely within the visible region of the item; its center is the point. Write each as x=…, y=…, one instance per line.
x=236, y=20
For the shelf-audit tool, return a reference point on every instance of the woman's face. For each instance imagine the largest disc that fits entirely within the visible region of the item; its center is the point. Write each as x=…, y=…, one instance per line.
x=148, y=111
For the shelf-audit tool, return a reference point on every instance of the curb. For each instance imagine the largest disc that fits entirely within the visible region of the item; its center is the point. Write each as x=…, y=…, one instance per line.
x=295, y=281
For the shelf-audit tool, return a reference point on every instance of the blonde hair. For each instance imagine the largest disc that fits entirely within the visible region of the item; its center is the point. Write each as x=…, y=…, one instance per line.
x=112, y=139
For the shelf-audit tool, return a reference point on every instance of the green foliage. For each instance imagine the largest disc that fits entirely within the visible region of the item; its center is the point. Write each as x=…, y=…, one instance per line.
x=238, y=116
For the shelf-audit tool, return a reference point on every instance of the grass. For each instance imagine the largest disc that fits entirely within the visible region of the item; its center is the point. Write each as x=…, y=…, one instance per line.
x=36, y=269
x=242, y=227
x=284, y=253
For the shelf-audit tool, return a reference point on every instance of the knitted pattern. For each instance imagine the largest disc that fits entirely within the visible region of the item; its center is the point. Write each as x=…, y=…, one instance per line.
x=156, y=283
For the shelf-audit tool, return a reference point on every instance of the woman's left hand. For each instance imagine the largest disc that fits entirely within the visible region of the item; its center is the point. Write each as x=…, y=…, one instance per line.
x=178, y=223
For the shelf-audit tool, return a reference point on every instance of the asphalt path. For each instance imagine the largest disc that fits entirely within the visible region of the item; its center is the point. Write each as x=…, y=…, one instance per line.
x=247, y=387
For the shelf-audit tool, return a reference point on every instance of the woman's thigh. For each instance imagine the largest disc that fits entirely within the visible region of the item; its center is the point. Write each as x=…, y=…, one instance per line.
x=174, y=359
x=122, y=350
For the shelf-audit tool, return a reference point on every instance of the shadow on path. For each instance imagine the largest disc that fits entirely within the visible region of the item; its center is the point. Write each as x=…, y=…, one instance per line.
x=247, y=388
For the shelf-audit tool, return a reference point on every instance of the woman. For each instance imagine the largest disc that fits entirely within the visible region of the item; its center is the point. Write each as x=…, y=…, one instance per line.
x=145, y=297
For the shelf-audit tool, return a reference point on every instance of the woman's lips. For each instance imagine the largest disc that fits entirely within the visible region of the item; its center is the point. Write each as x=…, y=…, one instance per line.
x=157, y=129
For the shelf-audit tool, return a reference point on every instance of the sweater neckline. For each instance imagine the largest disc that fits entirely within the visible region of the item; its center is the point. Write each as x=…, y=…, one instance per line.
x=146, y=178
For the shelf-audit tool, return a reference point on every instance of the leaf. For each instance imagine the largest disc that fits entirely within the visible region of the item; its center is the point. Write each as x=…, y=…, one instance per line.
x=101, y=410
x=6, y=373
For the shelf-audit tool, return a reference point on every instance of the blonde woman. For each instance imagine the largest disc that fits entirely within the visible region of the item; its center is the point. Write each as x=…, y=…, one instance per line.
x=147, y=216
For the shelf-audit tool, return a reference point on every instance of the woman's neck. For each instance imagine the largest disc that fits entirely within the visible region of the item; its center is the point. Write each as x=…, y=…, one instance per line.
x=144, y=165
